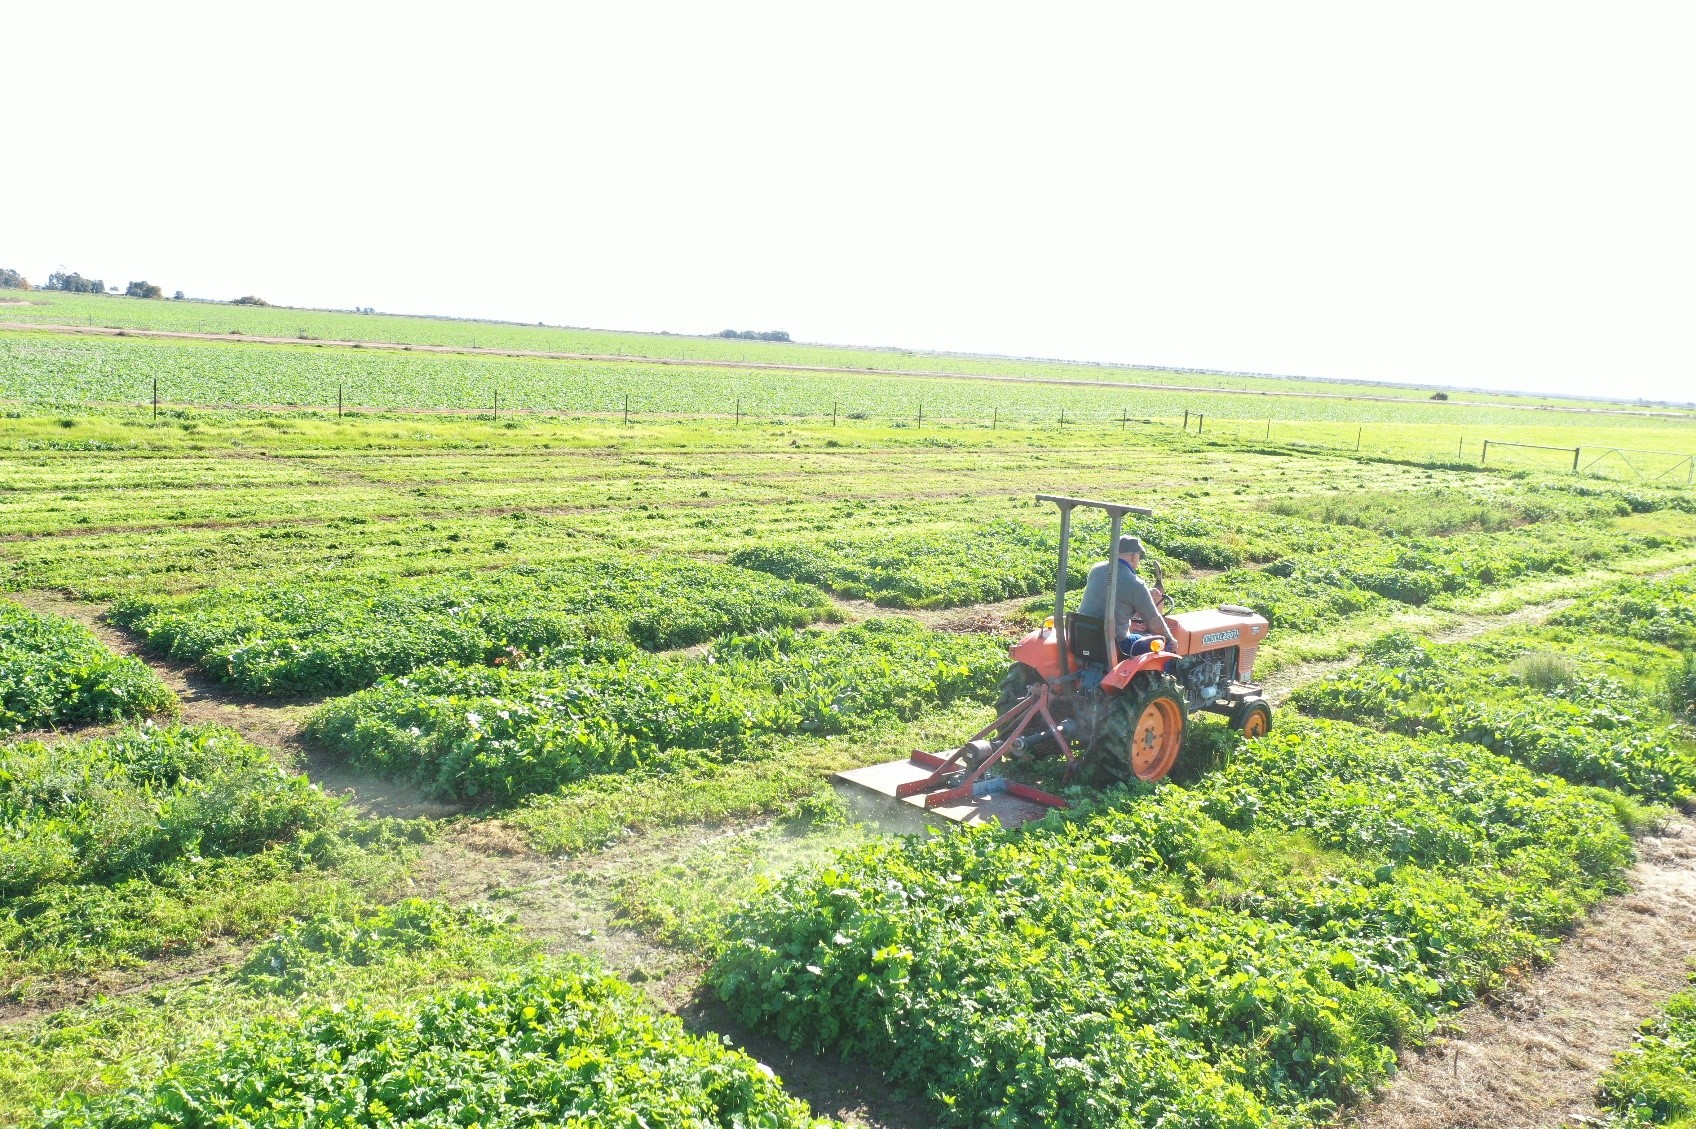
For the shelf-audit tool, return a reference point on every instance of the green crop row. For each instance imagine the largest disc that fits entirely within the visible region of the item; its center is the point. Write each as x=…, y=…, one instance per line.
x=999, y=561
x=1654, y=1083
x=102, y=810
x=558, y=1044
x=55, y=672
x=1655, y=611
x=1520, y=699
x=1005, y=559
x=385, y=956
x=344, y=635
x=131, y=845
x=1249, y=953
x=1405, y=513
x=493, y=735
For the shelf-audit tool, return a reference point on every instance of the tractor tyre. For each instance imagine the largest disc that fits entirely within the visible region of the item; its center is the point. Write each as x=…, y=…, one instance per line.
x=1144, y=733
x=1015, y=685
x=1252, y=718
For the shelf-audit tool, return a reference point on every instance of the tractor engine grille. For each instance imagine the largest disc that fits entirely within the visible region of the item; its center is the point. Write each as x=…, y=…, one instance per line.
x=1205, y=677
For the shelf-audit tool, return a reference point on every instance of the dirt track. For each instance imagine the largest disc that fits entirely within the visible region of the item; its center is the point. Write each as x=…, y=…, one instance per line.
x=1529, y=1058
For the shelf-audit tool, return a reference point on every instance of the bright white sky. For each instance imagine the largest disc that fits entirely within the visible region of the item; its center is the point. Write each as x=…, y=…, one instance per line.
x=1471, y=193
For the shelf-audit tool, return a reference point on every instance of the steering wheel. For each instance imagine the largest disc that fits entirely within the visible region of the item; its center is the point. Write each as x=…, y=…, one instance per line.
x=1161, y=599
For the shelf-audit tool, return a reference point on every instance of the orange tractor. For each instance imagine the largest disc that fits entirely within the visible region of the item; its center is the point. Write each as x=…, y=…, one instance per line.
x=1070, y=692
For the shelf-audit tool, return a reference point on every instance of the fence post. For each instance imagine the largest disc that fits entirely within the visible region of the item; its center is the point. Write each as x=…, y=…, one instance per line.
x=1269, y=430
x=627, y=407
x=1460, y=449
x=1062, y=417
x=1186, y=419
x=497, y=405
x=1200, y=416
x=738, y=411
x=1575, y=451
x=338, y=401
x=833, y=413
x=921, y=415
x=156, y=399
x=1484, y=456
x=994, y=416
x=1358, y=432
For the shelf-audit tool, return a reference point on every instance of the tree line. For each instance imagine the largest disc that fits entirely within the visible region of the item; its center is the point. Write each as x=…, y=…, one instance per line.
x=755, y=334
x=73, y=283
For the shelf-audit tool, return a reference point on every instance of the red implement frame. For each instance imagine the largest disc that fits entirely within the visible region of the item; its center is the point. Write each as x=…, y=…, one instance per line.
x=943, y=785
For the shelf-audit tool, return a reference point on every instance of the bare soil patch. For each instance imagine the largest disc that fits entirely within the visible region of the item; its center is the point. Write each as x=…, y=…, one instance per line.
x=836, y=1087
x=1006, y=618
x=1530, y=1056
x=43, y=995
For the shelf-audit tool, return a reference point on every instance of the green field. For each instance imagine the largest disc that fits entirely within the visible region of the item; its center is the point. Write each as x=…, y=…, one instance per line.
x=50, y=308
x=414, y=764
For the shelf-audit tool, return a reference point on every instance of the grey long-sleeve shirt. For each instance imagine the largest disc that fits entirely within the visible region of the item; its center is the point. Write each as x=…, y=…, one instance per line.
x=1132, y=596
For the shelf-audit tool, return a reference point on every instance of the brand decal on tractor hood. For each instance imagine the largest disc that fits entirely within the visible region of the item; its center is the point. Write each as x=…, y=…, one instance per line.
x=1220, y=636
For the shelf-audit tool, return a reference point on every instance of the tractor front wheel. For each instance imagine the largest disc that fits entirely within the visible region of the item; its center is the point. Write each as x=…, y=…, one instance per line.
x=1144, y=733
x=1252, y=718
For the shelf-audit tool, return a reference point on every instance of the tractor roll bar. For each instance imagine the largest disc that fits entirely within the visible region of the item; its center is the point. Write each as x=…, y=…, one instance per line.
x=1116, y=514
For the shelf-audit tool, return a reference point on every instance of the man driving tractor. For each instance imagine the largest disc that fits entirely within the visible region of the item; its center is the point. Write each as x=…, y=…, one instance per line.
x=1133, y=599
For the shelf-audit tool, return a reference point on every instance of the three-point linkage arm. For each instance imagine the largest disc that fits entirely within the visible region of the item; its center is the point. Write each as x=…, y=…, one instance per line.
x=1116, y=514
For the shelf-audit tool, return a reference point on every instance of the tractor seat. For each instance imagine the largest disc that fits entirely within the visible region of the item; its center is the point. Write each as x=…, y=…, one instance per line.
x=1084, y=637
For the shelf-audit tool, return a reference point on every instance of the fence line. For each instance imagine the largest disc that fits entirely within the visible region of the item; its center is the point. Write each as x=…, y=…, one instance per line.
x=738, y=412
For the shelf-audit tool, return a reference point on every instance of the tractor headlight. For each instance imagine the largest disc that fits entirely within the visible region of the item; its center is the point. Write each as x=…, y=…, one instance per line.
x=1157, y=644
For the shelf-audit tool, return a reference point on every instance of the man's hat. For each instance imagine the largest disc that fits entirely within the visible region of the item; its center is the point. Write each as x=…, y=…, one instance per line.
x=1129, y=545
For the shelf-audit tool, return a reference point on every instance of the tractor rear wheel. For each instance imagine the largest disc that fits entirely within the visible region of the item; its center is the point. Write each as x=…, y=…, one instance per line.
x=1252, y=718
x=1144, y=733
x=1015, y=686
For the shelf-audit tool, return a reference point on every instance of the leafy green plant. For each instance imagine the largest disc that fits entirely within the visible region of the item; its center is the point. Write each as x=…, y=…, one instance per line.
x=493, y=735
x=1654, y=1083
x=340, y=636
x=560, y=1044
x=154, y=840
x=1681, y=687
x=55, y=672
x=1274, y=934
x=102, y=810
x=1590, y=730
x=1656, y=611
x=998, y=561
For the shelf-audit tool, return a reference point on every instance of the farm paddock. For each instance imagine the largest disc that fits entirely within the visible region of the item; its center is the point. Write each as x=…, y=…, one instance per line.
x=335, y=745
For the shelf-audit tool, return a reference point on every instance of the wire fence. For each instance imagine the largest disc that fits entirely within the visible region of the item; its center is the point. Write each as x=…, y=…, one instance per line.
x=1662, y=467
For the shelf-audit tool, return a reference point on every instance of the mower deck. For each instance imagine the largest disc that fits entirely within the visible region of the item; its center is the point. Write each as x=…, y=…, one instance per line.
x=993, y=799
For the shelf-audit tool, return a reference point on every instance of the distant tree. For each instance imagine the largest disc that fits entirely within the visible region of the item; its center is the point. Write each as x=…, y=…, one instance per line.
x=1439, y=395
x=756, y=335
x=74, y=283
x=177, y=297
x=144, y=290
x=249, y=300
x=12, y=280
